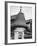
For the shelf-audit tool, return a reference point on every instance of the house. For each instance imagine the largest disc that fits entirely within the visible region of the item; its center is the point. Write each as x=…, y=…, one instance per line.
x=20, y=28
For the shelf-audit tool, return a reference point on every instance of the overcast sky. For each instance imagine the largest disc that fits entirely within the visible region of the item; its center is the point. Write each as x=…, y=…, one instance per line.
x=14, y=10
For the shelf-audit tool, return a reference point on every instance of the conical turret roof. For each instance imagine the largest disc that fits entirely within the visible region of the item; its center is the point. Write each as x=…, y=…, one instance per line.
x=20, y=20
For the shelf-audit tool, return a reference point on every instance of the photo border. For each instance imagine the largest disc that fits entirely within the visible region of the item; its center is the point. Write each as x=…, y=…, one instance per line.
x=6, y=17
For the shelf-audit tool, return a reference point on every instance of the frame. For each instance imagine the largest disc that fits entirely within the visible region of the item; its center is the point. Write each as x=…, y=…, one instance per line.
x=7, y=13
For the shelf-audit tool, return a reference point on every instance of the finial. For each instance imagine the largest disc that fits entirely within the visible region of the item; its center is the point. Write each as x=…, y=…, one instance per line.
x=20, y=8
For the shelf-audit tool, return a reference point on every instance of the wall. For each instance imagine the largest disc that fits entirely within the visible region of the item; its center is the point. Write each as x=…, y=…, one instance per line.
x=2, y=23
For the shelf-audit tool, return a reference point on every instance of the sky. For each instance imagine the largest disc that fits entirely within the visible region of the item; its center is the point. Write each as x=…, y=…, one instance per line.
x=14, y=10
